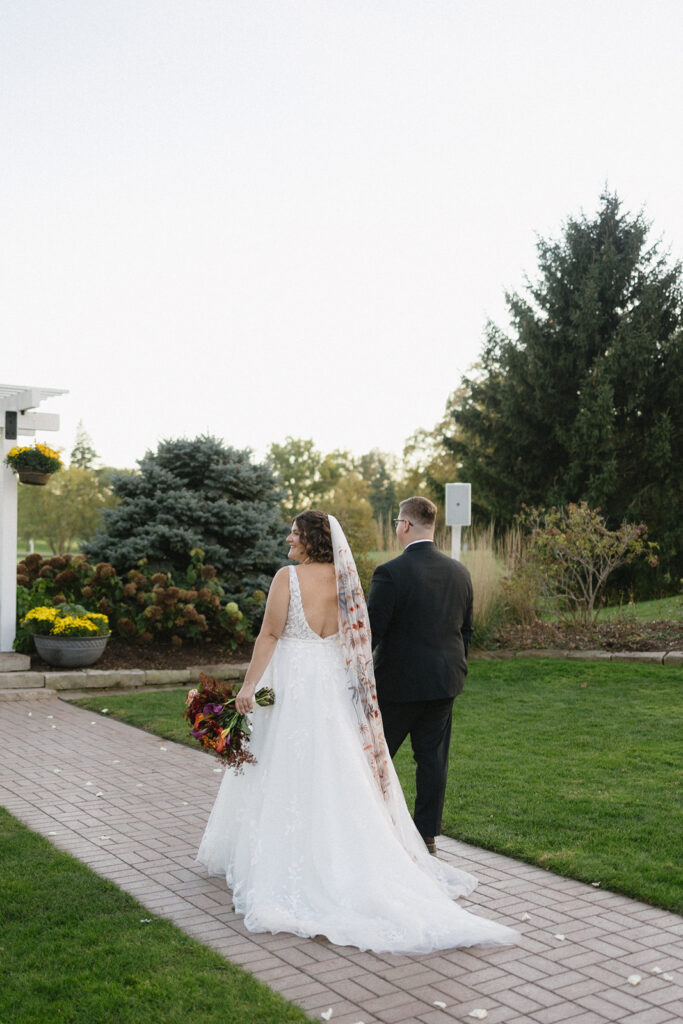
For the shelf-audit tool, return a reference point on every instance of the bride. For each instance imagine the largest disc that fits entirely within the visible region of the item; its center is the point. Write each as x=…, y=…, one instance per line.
x=316, y=838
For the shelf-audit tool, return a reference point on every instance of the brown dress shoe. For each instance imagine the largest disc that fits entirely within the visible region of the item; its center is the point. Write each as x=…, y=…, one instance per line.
x=430, y=844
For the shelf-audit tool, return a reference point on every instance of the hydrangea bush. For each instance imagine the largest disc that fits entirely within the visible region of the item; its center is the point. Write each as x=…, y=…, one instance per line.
x=141, y=605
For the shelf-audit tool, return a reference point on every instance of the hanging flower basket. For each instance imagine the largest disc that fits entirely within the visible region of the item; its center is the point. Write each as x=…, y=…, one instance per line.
x=27, y=476
x=67, y=636
x=34, y=464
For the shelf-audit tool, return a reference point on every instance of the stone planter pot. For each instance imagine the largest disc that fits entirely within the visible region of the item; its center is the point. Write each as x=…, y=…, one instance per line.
x=70, y=651
x=29, y=476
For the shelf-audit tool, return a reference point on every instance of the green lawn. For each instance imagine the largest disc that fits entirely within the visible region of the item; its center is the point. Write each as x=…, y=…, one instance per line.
x=575, y=766
x=75, y=949
x=42, y=547
x=660, y=610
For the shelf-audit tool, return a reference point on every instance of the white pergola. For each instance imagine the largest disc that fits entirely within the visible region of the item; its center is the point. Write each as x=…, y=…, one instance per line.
x=17, y=420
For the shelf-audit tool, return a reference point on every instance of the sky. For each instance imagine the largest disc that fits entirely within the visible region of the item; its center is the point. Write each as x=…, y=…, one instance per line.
x=261, y=218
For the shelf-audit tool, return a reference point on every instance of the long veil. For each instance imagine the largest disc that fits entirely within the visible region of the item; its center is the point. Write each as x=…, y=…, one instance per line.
x=354, y=634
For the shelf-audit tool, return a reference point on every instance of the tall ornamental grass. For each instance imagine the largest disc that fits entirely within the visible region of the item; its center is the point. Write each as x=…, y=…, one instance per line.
x=490, y=560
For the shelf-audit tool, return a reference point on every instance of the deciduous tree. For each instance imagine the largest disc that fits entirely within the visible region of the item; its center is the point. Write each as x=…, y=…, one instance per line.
x=67, y=510
x=306, y=476
x=571, y=554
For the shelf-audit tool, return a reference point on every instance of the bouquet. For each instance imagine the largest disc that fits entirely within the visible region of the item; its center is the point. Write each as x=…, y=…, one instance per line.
x=217, y=726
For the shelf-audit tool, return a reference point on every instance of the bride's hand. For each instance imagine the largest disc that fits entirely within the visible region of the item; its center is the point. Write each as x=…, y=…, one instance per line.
x=244, y=701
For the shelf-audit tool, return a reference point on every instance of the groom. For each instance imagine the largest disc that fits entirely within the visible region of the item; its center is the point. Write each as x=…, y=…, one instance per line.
x=420, y=608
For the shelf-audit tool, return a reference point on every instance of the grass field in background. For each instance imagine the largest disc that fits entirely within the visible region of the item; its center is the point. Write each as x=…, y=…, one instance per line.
x=77, y=949
x=574, y=766
x=664, y=609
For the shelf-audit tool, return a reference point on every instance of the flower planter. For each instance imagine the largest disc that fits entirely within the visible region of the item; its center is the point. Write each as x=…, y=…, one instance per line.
x=70, y=651
x=33, y=463
x=29, y=476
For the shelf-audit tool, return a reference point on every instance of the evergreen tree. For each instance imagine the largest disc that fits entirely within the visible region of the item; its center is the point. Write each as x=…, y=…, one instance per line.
x=428, y=461
x=582, y=400
x=196, y=494
x=83, y=454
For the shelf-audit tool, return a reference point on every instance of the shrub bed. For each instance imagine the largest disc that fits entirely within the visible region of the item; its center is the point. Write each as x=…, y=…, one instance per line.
x=142, y=605
x=619, y=635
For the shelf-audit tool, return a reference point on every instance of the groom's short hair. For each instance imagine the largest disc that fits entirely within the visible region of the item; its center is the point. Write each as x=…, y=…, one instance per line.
x=420, y=511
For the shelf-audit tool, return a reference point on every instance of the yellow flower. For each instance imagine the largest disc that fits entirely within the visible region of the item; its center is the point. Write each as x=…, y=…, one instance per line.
x=42, y=614
x=38, y=457
x=72, y=625
x=49, y=452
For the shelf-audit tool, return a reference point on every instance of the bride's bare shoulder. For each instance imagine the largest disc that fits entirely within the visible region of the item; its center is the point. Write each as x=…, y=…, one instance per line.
x=280, y=582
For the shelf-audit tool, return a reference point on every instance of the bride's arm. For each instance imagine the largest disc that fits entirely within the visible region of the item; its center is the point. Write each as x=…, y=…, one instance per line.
x=274, y=620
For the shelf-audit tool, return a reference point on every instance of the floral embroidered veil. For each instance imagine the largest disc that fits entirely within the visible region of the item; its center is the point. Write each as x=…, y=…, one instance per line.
x=354, y=636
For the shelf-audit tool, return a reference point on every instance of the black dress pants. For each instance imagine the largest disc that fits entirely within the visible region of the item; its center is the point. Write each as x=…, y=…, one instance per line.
x=428, y=723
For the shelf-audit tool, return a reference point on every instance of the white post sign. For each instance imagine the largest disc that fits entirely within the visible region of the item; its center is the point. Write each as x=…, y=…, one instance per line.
x=458, y=513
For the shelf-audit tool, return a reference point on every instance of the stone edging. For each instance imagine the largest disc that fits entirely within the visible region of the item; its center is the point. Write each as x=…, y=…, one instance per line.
x=113, y=679
x=23, y=683
x=644, y=657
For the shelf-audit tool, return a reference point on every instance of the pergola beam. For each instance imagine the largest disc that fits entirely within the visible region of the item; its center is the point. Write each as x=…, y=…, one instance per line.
x=18, y=398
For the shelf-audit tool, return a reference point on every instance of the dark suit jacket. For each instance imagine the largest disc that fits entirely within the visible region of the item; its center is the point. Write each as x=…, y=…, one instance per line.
x=420, y=608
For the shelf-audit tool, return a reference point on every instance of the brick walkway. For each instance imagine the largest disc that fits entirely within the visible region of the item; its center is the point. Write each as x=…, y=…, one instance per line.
x=133, y=807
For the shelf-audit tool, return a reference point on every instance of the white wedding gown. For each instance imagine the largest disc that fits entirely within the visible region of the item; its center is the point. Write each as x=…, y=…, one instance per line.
x=304, y=837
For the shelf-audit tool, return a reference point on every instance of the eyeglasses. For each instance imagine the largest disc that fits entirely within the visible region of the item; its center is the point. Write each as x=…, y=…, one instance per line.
x=397, y=521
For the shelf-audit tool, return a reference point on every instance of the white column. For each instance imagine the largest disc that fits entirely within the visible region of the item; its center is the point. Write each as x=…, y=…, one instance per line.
x=8, y=549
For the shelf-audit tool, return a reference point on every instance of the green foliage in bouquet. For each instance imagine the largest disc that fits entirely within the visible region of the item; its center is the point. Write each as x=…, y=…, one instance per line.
x=142, y=605
x=217, y=725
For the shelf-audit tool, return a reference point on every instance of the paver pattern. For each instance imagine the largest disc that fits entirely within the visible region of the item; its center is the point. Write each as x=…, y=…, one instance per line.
x=133, y=807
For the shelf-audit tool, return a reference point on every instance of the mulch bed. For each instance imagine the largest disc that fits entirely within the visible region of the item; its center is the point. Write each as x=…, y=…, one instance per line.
x=121, y=654
x=608, y=636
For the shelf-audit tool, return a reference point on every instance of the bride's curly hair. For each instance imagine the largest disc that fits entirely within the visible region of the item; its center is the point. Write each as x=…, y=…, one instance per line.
x=314, y=527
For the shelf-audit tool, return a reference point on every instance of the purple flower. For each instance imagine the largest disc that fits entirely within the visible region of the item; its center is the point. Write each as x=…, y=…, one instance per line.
x=198, y=733
x=212, y=709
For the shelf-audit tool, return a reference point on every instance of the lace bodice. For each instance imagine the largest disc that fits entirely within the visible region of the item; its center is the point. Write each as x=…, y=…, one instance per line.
x=296, y=627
